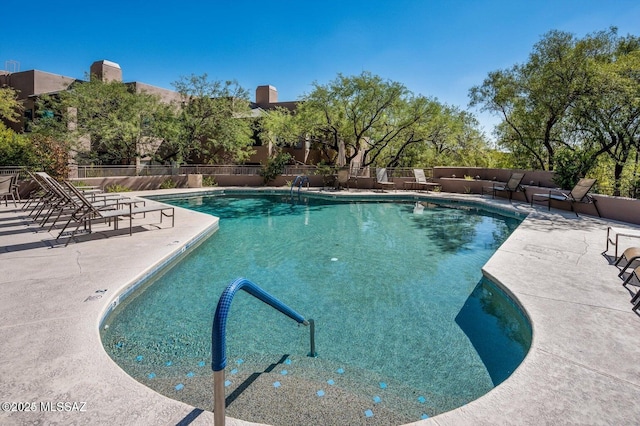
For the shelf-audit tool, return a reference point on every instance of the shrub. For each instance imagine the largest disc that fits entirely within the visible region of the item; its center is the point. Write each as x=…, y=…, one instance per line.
x=209, y=181
x=168, y=184
x=275, y=167
x=116, y=187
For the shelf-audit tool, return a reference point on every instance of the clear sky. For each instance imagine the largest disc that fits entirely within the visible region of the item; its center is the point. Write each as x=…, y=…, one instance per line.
x=437, y=48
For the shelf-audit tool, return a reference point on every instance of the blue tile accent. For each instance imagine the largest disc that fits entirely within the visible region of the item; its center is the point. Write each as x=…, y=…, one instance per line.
x=320, y=393
x=179, y=386
x=368, y=413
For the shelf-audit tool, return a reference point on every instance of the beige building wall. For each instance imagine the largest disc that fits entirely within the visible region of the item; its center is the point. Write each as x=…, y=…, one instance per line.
x=106, y=71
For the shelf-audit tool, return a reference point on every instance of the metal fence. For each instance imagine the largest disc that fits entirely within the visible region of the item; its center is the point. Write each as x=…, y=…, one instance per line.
x=205, y=169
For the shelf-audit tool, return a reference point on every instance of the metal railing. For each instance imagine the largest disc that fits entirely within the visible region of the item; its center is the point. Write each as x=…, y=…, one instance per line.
x=218, y=336
x=299, y=181
x=90, y=171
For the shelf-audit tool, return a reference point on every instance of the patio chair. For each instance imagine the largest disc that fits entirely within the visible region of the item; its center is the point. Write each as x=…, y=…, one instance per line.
x=382, y=179
x=579, y=194
x=68, y=200
x=6, y=190
x=90, y=212
x=514, y=184
x=342, y=178
x=354, y=172
x=15, y=187
x=614, y=234
x=421, y=181
x=630, y=255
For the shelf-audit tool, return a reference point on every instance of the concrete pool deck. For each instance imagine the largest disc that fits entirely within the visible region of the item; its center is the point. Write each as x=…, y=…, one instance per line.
x=581, y=368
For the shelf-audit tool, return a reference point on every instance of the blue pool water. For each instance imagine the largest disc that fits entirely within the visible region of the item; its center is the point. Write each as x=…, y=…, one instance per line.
x=395, y=289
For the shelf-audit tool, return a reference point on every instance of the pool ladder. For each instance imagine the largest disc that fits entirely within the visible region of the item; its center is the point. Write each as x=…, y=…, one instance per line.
x=299, y=181
x=218, y=336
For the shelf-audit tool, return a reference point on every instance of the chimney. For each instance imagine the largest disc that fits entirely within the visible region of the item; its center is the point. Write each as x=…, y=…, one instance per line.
x=266, y=95
x=106, y=71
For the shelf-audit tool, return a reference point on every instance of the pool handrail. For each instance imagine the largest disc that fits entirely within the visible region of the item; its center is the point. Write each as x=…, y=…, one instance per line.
x=218, y=336
x=299, y=181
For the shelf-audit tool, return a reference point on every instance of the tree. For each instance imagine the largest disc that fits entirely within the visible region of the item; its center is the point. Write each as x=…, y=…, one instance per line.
x=609, y=120
x=214, y=122
x=534, y=98
x=10, y=107
x=108, y=121
x=379, y=122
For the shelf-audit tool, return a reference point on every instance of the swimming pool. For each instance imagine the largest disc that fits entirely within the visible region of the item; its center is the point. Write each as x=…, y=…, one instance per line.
x=406, y=325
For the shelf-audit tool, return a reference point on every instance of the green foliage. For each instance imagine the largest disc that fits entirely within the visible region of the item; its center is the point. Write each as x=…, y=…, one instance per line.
x=573, y=102
x=572, y=165
x=16, y=150
x=168, y=184
x=209, y=181
x=121, y=123
x=36, y=152
x=214, y=123
x=380, y=122
x=116, y=187
x=10, y=107
x=275, y=166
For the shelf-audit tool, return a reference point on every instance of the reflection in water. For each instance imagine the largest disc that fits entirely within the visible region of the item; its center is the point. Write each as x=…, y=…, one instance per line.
x=496, y=328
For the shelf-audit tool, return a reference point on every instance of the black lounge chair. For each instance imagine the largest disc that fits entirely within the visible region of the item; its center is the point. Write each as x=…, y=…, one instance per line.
x=579, y=194
x=514, y=184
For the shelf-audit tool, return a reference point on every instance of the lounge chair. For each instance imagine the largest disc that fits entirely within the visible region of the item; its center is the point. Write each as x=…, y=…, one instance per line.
x=630, y=255
x=514, y=184
x=6, y=190
x=421, y=181
x=342, y=178
x=89, y=212
x=636, y=298
x=579, y=194
x=614, y=234
x=60, y=199
x=15, y=186
x=382, y=179
x=354, y=172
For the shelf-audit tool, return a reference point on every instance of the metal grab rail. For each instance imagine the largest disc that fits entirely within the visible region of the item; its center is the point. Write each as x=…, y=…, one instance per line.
x=299, y=181
x=218, y=336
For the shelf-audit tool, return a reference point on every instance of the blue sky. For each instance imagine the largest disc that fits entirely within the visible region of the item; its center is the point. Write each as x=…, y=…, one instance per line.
x=435, y=48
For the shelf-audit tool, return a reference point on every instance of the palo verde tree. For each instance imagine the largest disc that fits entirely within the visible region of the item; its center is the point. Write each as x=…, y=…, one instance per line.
x=608, y=121
x=379, y=121
x=534, y=98
x=109, y=121
x=214, y=122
